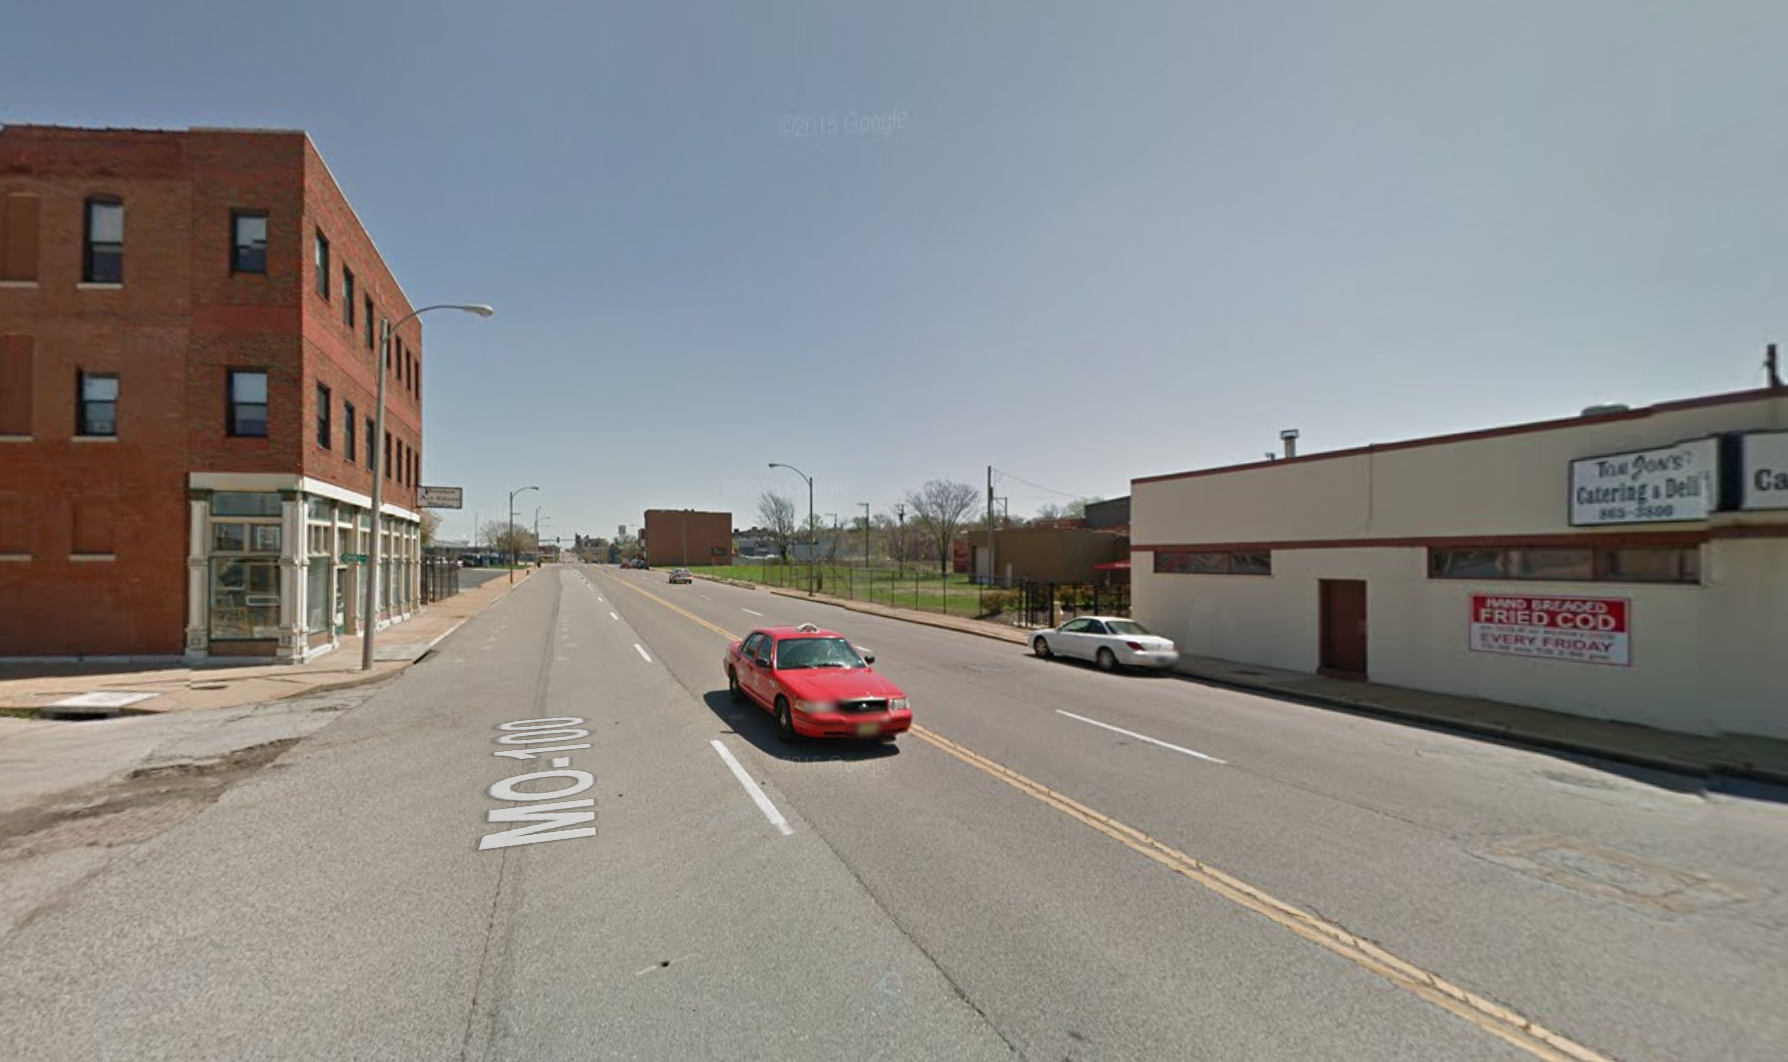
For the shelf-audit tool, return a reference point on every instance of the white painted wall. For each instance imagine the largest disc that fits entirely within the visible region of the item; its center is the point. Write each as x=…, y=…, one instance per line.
x=1706, y=659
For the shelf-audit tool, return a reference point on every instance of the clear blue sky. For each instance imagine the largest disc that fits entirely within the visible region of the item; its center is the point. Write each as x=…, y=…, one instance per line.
x=1104, y=240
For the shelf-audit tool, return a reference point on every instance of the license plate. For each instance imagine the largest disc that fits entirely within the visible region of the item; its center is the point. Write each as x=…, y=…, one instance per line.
x=867, y=729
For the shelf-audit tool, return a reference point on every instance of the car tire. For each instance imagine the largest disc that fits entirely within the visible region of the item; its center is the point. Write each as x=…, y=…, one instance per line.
x=1107, y=660
x=733, y=689
x=785, y=722
x=1041, y=648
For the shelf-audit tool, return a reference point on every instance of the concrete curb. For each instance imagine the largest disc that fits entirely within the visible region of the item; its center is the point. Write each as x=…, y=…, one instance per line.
x=1503, y=733
x=1704, y=771
x=921, y=618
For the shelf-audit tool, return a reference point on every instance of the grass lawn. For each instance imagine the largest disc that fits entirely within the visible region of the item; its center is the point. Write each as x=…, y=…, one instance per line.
x=916, y=588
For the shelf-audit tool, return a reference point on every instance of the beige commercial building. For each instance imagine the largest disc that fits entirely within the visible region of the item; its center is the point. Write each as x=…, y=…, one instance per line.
x=1628, y=565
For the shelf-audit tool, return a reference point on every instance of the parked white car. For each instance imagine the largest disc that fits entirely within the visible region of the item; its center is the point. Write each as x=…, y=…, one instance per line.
x=1109, y=641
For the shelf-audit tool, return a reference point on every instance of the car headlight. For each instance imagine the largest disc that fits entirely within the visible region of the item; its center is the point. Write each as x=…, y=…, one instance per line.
x=898, y=704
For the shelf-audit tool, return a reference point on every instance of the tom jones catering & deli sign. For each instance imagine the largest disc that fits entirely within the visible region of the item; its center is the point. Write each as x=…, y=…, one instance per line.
x=1589, y=630
x=1670, y=483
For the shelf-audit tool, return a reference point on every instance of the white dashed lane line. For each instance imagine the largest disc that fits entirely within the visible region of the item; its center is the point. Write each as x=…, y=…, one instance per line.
x=1142, y=737
x=641, y=650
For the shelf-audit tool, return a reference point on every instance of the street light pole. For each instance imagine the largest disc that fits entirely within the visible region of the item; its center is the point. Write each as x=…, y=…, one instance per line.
x=377, y=442
x=512, y=494
x=812, y=541
x=865, y=506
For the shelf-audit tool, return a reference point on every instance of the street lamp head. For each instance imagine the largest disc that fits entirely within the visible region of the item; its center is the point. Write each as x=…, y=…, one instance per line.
x=479, y=308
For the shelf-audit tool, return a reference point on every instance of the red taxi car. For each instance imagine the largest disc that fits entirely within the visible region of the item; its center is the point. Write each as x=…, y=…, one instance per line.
x=816, y=684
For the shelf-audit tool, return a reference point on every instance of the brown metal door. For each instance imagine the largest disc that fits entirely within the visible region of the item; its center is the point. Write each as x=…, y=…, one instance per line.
x=1344, y=628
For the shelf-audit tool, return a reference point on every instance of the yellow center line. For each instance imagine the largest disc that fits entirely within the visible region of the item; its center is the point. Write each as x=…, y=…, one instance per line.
x=1486, y=1014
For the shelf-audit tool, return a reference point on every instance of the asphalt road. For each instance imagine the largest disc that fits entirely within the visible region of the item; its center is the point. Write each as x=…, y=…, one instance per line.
x=1058, y=864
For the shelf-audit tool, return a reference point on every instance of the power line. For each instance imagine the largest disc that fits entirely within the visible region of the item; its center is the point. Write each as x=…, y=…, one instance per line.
x=1039, y=486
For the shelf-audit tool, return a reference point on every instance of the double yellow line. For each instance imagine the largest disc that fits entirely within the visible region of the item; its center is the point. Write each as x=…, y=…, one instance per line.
x=1486, y=1014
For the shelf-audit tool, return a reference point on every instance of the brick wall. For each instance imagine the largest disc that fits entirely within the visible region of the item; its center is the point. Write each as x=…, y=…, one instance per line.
x=337, y=354
x=172, y=331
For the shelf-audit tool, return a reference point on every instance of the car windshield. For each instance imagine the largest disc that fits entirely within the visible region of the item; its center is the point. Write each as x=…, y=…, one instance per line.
x=792, y=653
x=1124, y=626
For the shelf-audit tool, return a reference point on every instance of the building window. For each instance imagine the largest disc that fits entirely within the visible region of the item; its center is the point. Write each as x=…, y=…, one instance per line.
x=324, y=401
x=387, y=455
x=347, y=296
x=242, y=503
x=347, y=430
x=103, y=259
x=248, y=403
x=368, y=315
x=1573, y=564
x=229, y=536
x=96, y=412
x=248, y=241
x=244, y=598
x=369, y=443
x=385, y=331
x=1187, y=562
x=322, y=264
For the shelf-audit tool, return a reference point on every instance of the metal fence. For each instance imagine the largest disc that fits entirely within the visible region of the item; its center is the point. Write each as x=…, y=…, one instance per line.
x=440, y=578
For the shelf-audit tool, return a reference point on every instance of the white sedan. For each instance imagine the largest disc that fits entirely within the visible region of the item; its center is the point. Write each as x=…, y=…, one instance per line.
x=1109, y=641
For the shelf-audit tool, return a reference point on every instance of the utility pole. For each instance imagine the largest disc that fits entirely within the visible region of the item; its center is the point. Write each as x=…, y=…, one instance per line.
x=900, y=514
x=865, y=506
x=991, y=568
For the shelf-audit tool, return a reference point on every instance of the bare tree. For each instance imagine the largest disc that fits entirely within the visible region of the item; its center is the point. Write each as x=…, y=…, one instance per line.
x=939, y=508
x=431, y=526
x=778, y=515
x=497, y=533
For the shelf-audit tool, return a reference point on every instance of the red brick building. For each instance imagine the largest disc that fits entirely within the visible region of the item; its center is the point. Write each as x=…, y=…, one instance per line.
x=682, y=537
x=188, y=333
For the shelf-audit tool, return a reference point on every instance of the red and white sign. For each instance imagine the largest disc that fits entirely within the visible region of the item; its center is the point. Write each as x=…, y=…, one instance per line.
x=1589, y=630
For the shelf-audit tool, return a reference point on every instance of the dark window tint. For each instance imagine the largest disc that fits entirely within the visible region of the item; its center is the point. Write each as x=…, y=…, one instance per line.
x=369, y=442
x=387, y=455
x=103, y=261
x=97, y=411
x=248, y=242
x=248, y=403
x=1652, y=565
x=322, y=265
x=368, y=305
x=1174, y=562
x=347, y=296
x=348, y=428
x=1564, y=564
x=324, y=401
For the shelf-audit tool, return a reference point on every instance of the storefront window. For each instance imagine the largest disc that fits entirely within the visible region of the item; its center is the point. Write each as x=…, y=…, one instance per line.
x=1174, y=562
x=1582, y=564
x=229, y=538
x=244, y=598
x=319, y=600
x=225, y=503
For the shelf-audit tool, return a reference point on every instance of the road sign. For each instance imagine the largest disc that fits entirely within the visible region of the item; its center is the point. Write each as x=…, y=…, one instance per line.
x=355, y=558
x=441, y=497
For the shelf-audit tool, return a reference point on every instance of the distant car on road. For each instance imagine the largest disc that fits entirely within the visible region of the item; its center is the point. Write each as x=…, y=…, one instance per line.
x=816, y=684
x=1109, y=641
x=681, y=575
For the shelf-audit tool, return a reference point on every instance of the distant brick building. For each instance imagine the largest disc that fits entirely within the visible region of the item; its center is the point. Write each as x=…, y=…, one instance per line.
x=188, y=324
x=682, y=537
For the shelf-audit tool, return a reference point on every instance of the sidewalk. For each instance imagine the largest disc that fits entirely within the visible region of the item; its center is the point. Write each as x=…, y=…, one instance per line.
x=179, y=688
x=1758, y=758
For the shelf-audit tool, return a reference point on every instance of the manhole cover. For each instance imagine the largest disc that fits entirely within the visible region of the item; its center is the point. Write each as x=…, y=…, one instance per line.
x=1609, y=874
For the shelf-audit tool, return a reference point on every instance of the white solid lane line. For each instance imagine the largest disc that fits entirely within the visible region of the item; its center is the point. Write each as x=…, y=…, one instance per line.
x=1141, y=737
x=757, y=794
x=641, y=650
x=758, y=614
